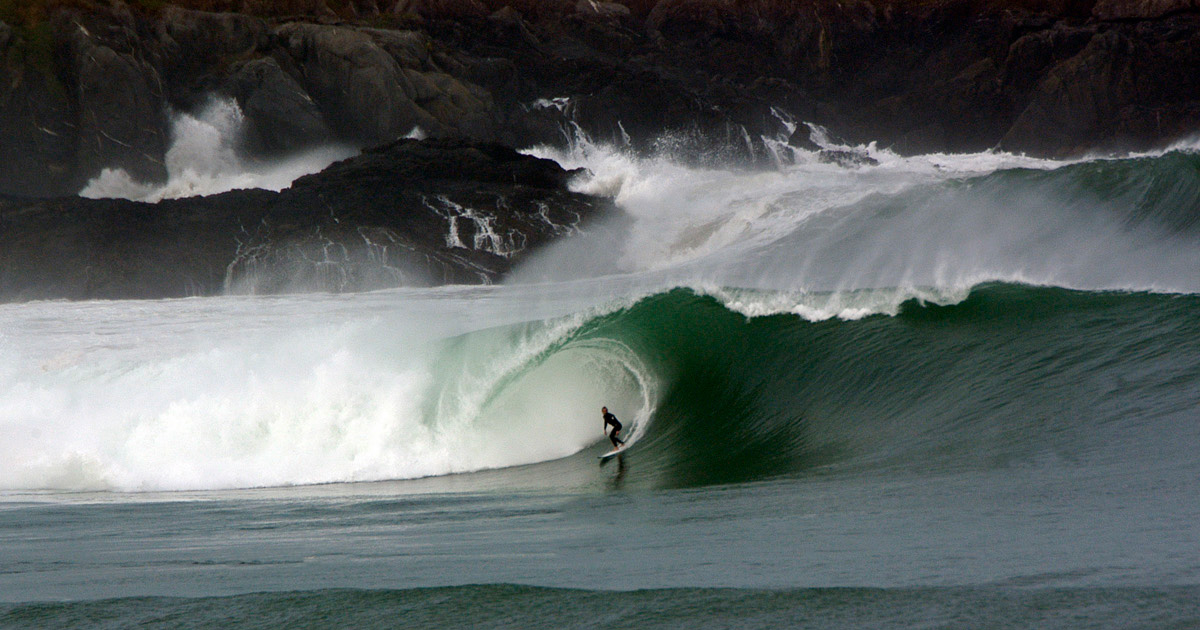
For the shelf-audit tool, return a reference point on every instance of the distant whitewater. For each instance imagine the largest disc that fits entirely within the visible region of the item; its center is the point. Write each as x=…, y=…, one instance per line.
x=942, y=221
x=204, y=160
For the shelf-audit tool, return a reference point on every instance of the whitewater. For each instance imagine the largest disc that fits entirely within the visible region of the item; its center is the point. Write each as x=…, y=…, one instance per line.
x=265, y=391
x=953, y=382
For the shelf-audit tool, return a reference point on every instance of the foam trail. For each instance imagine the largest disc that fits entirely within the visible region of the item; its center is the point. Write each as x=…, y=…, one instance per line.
x=203, y=160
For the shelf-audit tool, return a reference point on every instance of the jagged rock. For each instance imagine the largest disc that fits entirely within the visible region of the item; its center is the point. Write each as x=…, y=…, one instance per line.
x=440, y=9
x=37, y=152
x=120, y=103
x=1030, y=55
x=355, y=83
x=846, y=158
x=195, y=46
x=365, y=8
x=1140, y=9
x=409, y=213
x=691, y=14
x=369, y=97
x=280, y=116
x=701, y=76
x=601, y=10
x=1076, y=98
x=466, y=108
x=410, y=49
x=201, y=38
x=802, y=139
x=318, y=9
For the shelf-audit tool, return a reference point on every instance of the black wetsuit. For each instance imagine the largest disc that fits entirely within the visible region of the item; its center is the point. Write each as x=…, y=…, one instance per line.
x=611, y=419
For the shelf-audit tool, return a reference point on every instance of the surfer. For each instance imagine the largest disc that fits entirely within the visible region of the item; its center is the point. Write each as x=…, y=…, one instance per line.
x=611, y=419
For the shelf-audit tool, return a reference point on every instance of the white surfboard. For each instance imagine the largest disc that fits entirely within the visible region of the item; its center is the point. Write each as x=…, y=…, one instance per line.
x=624, y=447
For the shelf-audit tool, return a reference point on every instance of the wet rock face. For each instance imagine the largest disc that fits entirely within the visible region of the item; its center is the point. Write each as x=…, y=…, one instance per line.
x=961, y=76
x=1140, y=9
x=121, y=113
x=373, y=86
x=78, y=94
x=281, y=117
x=1124, y=87
x=96, y=87
x=1048, y=78
x=194, y=41
x=410, y=213
x=354, y=81
x=37, y=150
x=106, y=82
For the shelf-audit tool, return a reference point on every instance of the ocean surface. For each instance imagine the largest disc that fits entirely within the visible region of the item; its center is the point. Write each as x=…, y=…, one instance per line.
x=943, y=391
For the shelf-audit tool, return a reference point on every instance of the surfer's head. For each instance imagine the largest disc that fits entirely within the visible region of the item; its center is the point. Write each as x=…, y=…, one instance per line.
x=604, y=410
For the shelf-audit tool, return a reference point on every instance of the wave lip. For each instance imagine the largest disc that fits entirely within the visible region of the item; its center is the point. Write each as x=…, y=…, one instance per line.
x=1002, y=376
x=944, y=221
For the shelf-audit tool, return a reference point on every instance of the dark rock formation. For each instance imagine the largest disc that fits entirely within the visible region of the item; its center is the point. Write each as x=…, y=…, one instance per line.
x=1140, y=9
x=118, y=95
x=281, y=116
x=1045, y=78
x=94, y=89
x=88, y=88
x=409, y=213
x=87, y=85
x=356, y=83
x=193, y=42
x=846, y=158
x=1123, y=86
x=37, y=132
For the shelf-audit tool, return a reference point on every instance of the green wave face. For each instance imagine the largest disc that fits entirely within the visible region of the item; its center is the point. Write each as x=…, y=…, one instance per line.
x=1164, y=189
x=850, y=323
x=1013, y=375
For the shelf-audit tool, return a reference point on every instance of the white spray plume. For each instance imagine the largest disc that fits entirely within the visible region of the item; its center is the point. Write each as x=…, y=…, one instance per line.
x=203, y=160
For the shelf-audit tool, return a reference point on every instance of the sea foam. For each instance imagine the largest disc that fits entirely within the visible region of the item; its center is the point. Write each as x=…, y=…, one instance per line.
x=204, y=160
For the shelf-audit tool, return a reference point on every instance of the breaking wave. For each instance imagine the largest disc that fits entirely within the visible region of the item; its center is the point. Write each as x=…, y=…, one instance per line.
x=928, y=313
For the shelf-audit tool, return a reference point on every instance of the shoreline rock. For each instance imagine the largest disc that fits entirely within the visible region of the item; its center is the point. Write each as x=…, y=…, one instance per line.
x=93, y=88
x=93, y=84
x=411, y=213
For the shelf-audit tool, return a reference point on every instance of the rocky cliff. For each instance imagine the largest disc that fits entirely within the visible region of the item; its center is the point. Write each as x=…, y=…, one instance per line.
x=93, y=84
x=86, y=84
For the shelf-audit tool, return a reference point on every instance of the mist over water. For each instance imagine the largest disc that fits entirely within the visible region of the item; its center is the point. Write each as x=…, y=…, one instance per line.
x=936, y=221
x=204, y=159
x=230, y=393
x=246, y=392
